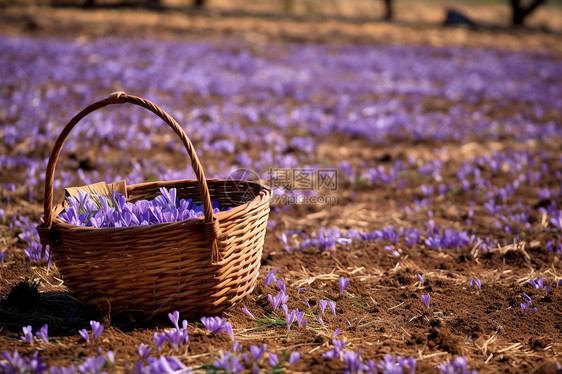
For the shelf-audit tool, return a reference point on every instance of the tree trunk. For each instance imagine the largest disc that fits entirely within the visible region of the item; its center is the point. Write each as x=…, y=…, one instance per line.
x=519, y=13
x=288, y=6
x=388, y=10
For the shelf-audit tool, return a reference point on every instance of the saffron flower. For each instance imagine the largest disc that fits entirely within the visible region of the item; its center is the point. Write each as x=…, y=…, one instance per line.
x=257, y=352
x=97, y=329
x=85, y=335
x=217, y=325
x=27, y=334
x=353, y=362
x=425, y=299
x=421, y=279
x=336, y=333
x=159, y=340
x=322, y=304
x=301, y=319
x=396, y=365
x=476, y=282
x=92, y=365
x=538, y=284
x=270, y=277
x=247, y=312
x=332, y=305
x=14, y=363
x=281, y=285
x=43, y=333
x=278, y=300
x=343, y=284
x=229, y=363
x=174, y=317
x=458, y=366
x=100, y=211
x=289, y=317
x=336, y=351
x=527, y=305
x=168, y=365
x=144, y=351
x=273, y=359
x=294, y=358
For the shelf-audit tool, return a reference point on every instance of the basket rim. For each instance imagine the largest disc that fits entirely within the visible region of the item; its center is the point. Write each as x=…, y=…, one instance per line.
x=261, y=198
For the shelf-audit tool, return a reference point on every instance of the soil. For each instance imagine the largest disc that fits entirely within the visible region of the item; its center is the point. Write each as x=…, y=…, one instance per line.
x=381, y=311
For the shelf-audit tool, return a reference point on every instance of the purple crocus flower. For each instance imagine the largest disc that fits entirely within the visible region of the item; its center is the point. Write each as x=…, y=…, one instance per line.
x=110, y=356
x=458, y=366
x=247, y=312
x=281, y=285
x=294, y=358
x=425, y=299
x=174, y=317
x=332, y=305
x=229, y=363
x=476, y=282
x=166, y=365
x=336, y=351
x=159, y=340
x=97, y=329
x=216, y=325
x=14, y=363
x=176, y=337
x=270, y=277
x=538, y=284
x=27, y=334
x=93, y=365
x=257, y=352
x=353, y=364
x=85, y=335
x=43, y=333
x=319, y=320
x=396, y=365
x=69, y=370
x=289, y=317
x=273, y=359
x=322, y=304
x=283, y=238
x=300, y=318
x=144, y=351
x=343, y=284
x=421, y=279
x=2, y=256
x=336, y=333
x=278, y=300
x=236, y=347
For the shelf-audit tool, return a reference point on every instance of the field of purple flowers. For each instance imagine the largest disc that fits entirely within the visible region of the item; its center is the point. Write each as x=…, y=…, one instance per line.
x=416, y=223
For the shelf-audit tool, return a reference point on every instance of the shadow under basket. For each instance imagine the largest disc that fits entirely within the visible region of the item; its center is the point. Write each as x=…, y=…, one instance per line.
x=198, y=267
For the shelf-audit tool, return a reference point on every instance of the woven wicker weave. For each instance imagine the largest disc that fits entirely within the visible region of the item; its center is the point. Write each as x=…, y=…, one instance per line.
x=197, y=266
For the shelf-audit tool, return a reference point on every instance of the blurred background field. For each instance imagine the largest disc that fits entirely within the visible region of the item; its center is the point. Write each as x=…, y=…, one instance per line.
x=356, y=21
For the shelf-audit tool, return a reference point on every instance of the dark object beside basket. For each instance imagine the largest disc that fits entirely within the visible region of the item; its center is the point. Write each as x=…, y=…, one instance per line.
x=197, y=266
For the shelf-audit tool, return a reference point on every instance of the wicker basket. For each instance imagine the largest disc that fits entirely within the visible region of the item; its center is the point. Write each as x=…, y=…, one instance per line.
x=197, y=266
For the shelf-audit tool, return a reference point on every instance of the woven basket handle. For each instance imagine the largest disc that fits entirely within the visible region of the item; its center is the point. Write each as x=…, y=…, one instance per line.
x=211, y=224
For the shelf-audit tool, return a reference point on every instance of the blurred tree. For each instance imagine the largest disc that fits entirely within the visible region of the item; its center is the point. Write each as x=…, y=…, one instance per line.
x=288, y=6
x=519, y=12
x=91, y=3
x=388, y=10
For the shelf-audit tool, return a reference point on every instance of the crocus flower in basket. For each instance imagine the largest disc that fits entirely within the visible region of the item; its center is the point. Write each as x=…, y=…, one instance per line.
x=198, y=264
